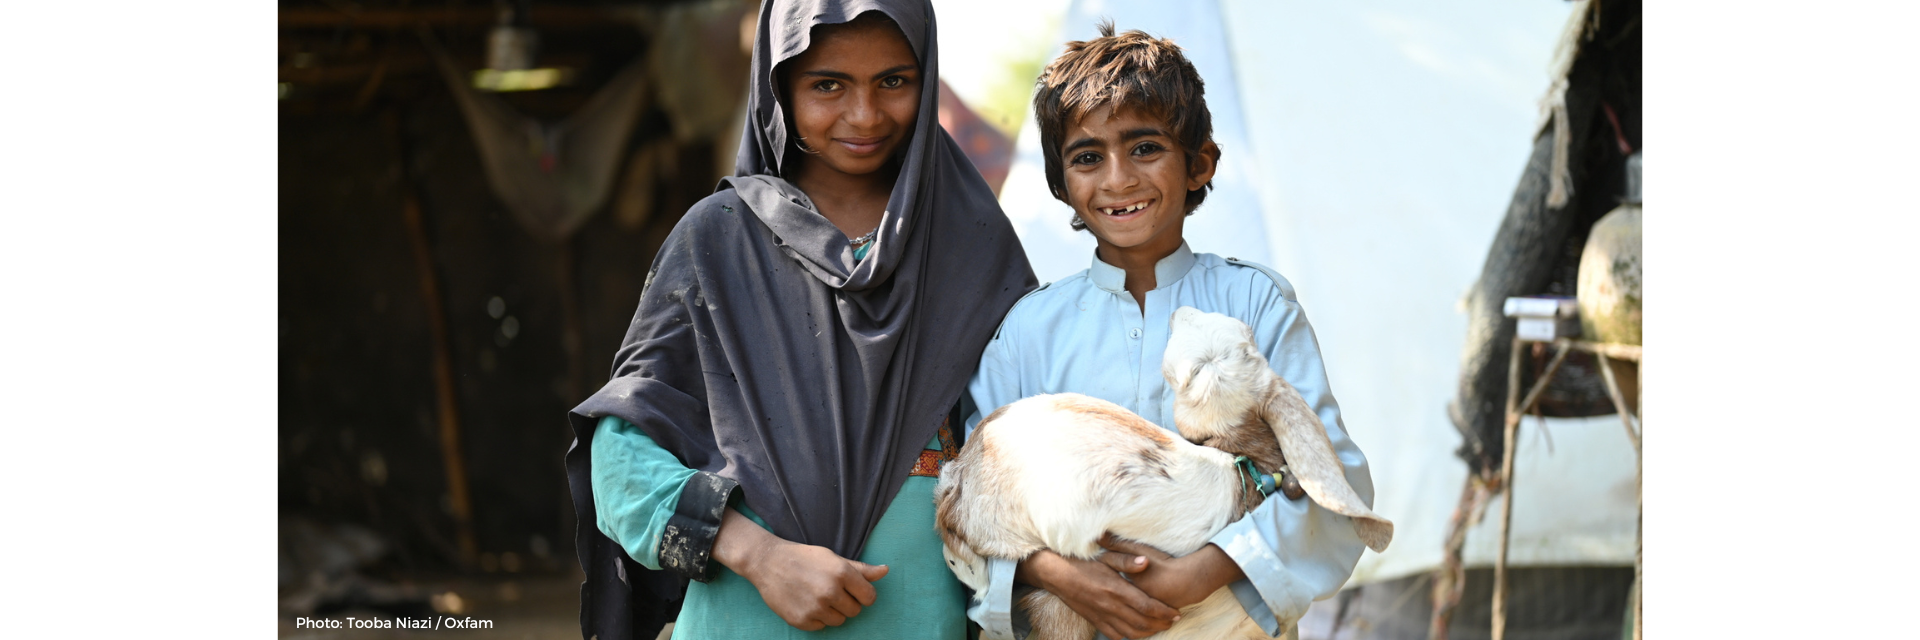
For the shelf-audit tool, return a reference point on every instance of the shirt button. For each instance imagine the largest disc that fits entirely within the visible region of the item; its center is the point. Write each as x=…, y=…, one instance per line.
x=1135, y=333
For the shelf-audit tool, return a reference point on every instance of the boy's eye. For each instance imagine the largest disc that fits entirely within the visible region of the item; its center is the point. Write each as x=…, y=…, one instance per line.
x=892, y=82
x=1147, y=148
x=825, y=86
x=1087, y=157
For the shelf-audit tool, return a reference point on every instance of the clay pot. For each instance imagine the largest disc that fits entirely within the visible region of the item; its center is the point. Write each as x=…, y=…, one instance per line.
x=1609, y=285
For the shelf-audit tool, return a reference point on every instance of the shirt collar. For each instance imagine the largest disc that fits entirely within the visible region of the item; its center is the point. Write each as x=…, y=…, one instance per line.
x=1165, y=272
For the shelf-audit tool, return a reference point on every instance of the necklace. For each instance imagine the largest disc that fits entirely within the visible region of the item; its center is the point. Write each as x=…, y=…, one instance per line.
x=865, y=239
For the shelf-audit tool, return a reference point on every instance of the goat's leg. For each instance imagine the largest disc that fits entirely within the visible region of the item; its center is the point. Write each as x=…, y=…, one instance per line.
x=1052, y=619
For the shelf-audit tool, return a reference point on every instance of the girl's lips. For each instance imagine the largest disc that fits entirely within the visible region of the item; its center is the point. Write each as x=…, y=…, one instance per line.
x=861, y=146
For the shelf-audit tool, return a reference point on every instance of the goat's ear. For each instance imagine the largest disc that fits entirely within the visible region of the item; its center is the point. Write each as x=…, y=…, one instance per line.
x=1309, y=452
x=1178, y=376
x=1199, y=382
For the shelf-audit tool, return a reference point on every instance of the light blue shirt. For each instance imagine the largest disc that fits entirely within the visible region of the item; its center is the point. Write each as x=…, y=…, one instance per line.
x=1085, y=334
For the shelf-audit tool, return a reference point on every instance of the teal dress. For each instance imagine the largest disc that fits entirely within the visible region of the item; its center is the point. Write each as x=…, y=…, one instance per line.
x=635, y=485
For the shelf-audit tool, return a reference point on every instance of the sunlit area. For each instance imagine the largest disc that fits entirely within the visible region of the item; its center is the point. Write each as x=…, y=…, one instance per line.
x=521, y=79
x=473, y=198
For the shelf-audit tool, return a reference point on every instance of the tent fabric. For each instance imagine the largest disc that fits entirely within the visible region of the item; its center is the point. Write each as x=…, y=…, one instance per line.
x=551, y=176
x=1231, y=224
x=1376, y=148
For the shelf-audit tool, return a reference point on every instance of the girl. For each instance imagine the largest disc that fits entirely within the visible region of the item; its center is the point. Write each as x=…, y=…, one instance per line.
x=779, y=408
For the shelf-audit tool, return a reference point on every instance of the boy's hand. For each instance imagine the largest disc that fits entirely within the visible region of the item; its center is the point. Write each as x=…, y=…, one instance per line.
x=1178, y=582
x=809, y=587
x=1095, y=590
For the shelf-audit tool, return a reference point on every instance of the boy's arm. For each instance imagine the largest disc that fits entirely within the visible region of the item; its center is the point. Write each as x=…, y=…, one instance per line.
x=1295, y=551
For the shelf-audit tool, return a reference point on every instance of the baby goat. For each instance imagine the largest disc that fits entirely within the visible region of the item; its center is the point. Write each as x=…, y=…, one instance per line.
x=1057, y=471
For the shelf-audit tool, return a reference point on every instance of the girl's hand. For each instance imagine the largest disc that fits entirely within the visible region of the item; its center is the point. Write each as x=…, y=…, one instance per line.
x=1095, y=590
x=1182, y=581
x=809, y=587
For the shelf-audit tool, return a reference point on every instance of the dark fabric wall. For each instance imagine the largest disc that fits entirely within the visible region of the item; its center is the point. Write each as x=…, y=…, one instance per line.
x=1537, y=249
x=359, y=432
x=1548, y=603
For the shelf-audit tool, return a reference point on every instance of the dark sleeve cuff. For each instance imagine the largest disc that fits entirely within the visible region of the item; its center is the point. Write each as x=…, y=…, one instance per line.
x=686, y=544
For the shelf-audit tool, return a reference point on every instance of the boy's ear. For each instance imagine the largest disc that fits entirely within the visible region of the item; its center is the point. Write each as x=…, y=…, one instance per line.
x=1200, y=169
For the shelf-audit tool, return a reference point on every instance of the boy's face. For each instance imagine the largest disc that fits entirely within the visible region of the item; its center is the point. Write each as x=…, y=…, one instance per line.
x=1128, y=180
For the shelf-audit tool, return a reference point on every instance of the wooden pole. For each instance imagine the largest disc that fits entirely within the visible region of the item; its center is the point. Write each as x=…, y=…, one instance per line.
x=1540, y=385
x=570, y=333
x=445, y=398
x=1506, y=485
x=1619, y=401
x=1516, y=409
x=1450, y=580
x=1640, y=513
x=1633, y=436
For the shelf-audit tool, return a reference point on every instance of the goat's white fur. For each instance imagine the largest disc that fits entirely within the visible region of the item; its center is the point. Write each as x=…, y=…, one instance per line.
x=1058, y=471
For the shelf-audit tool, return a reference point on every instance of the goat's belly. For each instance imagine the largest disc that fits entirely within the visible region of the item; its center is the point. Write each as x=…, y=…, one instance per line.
x=1218, y=616
x=1178, y=516
x=1074, y=478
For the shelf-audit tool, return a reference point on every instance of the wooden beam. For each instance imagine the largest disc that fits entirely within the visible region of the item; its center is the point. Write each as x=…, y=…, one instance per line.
x=552, y=17
x=1608, y=349
x=1619, y=401
x=446, y=399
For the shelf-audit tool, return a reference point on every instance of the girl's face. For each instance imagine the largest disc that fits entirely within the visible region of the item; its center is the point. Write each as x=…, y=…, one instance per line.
x=854, y=94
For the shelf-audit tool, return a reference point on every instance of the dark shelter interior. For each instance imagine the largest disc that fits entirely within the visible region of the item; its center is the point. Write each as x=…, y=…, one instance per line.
x=443, y=304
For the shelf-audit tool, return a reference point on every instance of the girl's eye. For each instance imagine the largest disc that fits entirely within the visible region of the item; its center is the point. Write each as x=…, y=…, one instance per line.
x=1147, y=149
x=826, y=86
x=1086, y=158
x=892, y=82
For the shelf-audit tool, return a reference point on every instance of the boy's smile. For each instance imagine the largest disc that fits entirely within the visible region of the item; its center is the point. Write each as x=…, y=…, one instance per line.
x=1128, y=179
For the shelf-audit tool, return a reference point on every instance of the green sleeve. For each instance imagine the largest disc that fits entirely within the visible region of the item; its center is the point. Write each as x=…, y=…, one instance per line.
x=636, y=485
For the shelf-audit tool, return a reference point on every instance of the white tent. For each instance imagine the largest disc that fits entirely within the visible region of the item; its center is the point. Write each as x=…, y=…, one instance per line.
x=1370, y=150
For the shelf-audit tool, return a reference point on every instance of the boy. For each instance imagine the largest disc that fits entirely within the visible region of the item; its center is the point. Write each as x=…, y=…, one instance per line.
x=1128, y=144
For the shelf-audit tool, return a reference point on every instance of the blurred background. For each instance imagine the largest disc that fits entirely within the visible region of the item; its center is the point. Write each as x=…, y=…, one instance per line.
x=471, y=193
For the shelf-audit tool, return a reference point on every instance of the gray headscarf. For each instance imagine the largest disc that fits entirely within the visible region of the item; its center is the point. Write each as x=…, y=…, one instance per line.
x=763, y=353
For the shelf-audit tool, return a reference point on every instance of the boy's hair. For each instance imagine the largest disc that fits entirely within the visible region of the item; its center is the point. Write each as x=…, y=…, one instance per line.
x=1131, y=70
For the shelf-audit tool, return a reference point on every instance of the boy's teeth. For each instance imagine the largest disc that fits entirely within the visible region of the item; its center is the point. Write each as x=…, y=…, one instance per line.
x=1127, y=209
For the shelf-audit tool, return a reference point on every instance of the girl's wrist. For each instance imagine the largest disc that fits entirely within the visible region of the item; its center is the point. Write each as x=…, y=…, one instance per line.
x=740, y=544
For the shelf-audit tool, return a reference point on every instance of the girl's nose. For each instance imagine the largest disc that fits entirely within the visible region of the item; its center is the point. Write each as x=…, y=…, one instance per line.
x=863, y=111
